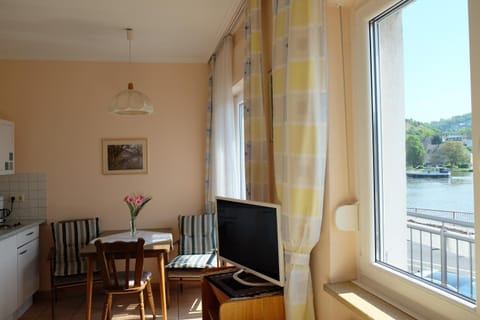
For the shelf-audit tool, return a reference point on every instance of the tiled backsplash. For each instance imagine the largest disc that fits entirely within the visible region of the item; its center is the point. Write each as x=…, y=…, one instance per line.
x=33, y=188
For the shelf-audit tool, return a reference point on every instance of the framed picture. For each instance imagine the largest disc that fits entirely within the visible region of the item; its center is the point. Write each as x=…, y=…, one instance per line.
x=124, y=156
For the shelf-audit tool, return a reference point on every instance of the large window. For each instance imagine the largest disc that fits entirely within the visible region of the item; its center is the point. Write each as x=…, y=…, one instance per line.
x=239, y=111
x=416, y=153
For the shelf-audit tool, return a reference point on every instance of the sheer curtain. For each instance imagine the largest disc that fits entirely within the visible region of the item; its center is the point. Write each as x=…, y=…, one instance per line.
x=300, y=140
x=223, y=153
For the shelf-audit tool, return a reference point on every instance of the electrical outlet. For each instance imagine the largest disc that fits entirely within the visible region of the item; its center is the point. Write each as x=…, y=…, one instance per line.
x=21, y=197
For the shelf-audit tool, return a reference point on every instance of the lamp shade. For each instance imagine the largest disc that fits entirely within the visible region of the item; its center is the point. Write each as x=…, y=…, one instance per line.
x=131, y=102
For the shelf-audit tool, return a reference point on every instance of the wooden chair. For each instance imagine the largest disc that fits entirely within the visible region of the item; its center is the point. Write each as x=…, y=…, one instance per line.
x=67, y=267
x=196, y=249
x=126, y=281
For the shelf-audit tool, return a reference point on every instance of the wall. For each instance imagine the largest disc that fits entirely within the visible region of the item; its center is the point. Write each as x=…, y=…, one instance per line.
x=60, y=115
x=33, y=188
x=334, y=257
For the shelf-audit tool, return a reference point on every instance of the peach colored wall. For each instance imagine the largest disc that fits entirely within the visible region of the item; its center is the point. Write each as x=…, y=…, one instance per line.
x=60, y=115
x=334, y=257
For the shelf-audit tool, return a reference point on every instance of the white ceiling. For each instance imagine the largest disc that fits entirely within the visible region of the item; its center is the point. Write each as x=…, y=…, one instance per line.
x=94, y=30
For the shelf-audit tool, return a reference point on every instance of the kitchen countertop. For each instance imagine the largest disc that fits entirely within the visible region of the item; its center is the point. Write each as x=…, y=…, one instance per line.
x=24, y=224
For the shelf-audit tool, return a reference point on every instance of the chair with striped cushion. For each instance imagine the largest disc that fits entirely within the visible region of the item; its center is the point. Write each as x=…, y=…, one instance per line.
x=67, y=267
x=196, y=248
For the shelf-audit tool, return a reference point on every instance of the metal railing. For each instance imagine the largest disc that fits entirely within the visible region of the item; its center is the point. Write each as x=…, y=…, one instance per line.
x=461, y=218
x=441, y=249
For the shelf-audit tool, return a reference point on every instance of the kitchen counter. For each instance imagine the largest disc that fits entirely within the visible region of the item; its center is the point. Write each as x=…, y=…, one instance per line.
x=15, y=228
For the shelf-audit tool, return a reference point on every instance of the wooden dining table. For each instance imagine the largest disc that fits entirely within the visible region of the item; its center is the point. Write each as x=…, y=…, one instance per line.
x=158, y=243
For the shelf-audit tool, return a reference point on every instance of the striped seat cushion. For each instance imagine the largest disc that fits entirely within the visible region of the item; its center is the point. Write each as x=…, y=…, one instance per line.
x=197, y=234
x=199, y=261
x=68, y=238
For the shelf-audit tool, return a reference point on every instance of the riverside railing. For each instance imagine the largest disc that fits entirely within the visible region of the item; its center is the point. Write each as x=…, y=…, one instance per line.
x=441, y=248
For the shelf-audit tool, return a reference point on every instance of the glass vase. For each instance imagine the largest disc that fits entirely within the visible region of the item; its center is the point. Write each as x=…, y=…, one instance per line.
x=133, y=226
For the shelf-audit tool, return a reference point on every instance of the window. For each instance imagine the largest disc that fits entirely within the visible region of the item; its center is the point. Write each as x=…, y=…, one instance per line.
x=239, y=107
x=413, y=104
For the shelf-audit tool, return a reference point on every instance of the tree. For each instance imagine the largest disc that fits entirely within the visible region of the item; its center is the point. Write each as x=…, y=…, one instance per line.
x=454, y=152
x=415, y=151
x=436, y=139
x=438, y=159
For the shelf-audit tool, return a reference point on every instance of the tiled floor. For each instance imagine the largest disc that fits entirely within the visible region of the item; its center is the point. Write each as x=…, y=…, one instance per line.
x=184, y=304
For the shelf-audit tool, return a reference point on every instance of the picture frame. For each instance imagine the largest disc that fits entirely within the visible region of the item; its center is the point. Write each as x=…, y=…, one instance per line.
x=125, y=156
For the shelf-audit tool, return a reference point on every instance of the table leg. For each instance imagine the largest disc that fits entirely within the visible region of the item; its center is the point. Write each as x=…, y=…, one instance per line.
x=161, y=272
x=89, y=286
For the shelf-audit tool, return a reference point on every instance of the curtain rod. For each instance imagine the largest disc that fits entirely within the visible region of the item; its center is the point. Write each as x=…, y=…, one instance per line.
x=231, y=26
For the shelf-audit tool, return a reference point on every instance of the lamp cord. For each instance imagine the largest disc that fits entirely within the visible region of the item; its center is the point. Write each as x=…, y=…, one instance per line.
x=347, y=153
x=129, y=51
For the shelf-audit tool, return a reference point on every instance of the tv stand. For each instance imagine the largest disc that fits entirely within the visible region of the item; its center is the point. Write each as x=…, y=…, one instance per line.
x=216, y=304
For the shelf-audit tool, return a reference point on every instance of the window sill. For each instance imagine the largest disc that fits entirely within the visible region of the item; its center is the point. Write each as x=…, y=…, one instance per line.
x=365, y=304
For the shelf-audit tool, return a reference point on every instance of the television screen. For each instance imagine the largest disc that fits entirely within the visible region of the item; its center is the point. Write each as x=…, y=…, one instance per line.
x=249, y=237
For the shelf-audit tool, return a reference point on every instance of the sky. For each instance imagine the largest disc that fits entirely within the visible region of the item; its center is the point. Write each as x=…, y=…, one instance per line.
x=437, y=60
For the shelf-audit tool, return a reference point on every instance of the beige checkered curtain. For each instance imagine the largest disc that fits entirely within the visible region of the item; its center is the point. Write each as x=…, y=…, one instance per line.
x=300, y=140
x=209, y=197
x=257, y=178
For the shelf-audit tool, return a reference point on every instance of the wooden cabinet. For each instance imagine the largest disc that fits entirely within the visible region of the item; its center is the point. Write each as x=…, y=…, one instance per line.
x=216, y=304
x=7, y=147
x=28, y=276
x=8, y=277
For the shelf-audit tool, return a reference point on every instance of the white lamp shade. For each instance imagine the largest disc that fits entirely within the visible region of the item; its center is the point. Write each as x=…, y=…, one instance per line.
x=131, y=102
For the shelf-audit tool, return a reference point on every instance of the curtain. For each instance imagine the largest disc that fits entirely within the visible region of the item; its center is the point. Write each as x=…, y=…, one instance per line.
x=256, y=139
x=223, y=153
x=209, y=205
x=300, y=140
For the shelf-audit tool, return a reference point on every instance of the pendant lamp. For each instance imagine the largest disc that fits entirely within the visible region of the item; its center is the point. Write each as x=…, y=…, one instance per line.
x=130, y=101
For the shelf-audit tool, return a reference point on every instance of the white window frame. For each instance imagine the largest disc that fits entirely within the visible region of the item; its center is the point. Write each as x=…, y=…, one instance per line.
x=411, y=295
x=237, y=92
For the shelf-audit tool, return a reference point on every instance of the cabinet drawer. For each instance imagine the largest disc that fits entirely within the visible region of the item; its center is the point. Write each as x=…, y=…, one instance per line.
x=28, y=276
x=27, y=235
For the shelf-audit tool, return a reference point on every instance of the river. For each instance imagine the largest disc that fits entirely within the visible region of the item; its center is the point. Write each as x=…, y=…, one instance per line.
x=451, y=194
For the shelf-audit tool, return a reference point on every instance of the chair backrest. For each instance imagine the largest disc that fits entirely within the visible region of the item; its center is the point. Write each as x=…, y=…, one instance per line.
x=108, y=256
x=197, y=234
x=69, y=236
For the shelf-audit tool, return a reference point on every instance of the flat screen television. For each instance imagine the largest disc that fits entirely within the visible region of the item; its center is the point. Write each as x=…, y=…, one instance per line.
x=249, y=237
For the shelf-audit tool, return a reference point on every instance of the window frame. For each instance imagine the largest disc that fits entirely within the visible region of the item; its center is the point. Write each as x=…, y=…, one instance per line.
x=402, y=290
x=238, y=103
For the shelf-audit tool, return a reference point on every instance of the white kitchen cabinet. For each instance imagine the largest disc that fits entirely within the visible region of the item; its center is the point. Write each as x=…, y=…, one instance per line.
x=8, y=277
x=7, y=147
x=28, y=274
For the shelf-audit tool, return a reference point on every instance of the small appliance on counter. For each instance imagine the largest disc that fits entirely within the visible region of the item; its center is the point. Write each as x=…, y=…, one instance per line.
x=4, y=212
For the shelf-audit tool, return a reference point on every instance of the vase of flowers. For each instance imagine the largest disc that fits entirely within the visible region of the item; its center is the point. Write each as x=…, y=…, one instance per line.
x=135, y=203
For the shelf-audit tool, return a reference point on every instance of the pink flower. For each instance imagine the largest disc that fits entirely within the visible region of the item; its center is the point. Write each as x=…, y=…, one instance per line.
x=135, y=203
x=129, y=199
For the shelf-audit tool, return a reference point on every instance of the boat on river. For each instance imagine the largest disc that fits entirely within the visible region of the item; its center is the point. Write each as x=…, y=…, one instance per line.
x=430, y=173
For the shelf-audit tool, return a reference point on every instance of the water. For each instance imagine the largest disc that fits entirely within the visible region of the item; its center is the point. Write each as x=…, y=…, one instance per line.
x=451, y=194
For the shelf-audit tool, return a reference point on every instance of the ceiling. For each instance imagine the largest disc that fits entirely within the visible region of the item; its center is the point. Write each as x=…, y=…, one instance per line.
x=94, y=30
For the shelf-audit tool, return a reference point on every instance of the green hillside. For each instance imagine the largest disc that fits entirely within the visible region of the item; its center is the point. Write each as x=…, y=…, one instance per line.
x=426, y=144
x=455, y=125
